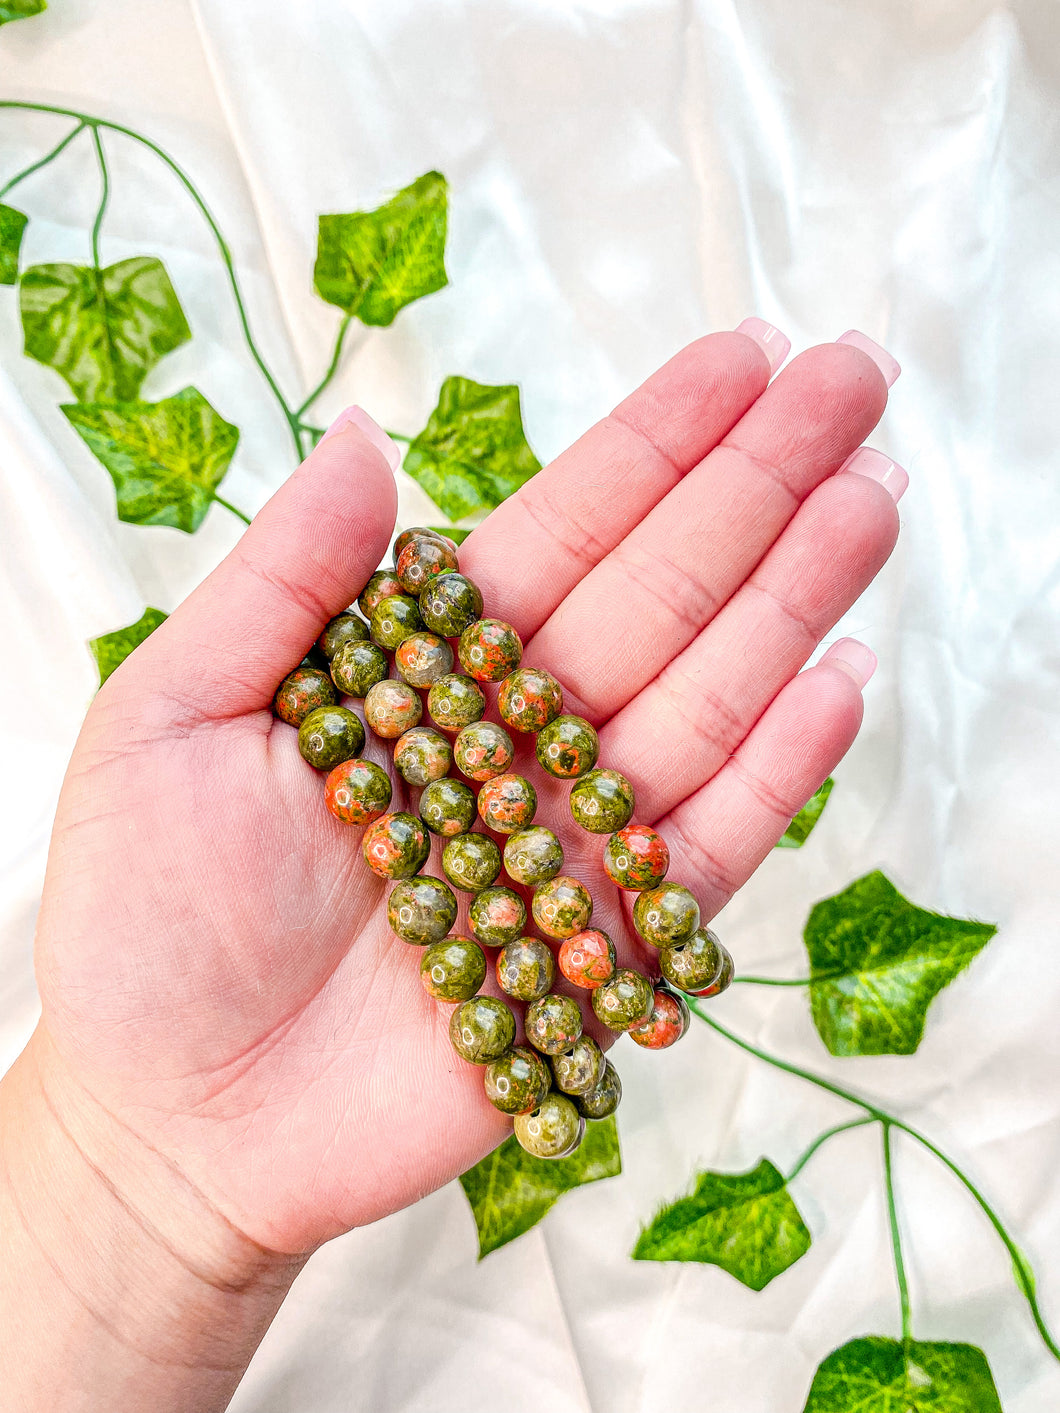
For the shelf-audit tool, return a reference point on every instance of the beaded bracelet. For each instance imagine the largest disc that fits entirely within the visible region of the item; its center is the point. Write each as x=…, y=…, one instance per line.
x=416, y=611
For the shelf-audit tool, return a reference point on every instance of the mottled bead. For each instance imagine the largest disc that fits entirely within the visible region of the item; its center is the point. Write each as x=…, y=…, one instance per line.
x=552, y=1130
x=471, y=862
x=533, y=856
x=330, y=735
x=562, y=907
x=525, y=969
x=497, y=917
x=421, y=910
x=507, y=803
x=636, y=858
x=517, y=1081
x=357, y=791
x=602, y=801
x=666, y=1024
x=529, y=699
x=343, y=628
x=423, y=658
x=383, y=584
x=423, y=531
x=393, y=620
x=455, y=701
x=301, y=692
x=666, y=914
x=483, y=750
x=357, y=667
x=553, y=1023
x=567, y=747
x=447, y=807
x=601, y=1102
x=421, y=559
x=391, y=708
x=724, y=978
x=449, y=604
x=694, y=964
x=422, y=755
x=587, y=959
x=396, y=845
x=580, y=1068
x=489, y=650
x=482, y=1029
x=624, y=1001
x=453, y=970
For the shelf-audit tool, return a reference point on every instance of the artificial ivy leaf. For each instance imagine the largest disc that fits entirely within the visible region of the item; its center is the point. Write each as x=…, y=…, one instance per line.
x=802, y=826
x=102, y=330
x=746, y=1223
x=473, y=452
x=876, y=1375
x=12, y=225
x=111, y=650
x=20, y=9
x=877, y=962
x=166, y=458
x=510, y=1191
x=457, y=536
x=373, y=263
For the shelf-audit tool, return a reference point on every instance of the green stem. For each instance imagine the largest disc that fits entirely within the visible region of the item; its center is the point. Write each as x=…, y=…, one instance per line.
x=104, y=196
x=399, y=436
x=896, y=1240
x=332, y=366
x=773, y=980
x=42, y=161
x=823, y=1138
x=233, y=508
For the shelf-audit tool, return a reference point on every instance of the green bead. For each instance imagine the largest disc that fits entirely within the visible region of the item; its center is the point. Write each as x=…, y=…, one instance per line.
x=624, y=1001
x=489, y=650
x=602, y=801
x=423, y=658
x=471, y=862
x=423, y=557
x=694, y=964
x=382, y=585
x=507, y=803
x=724, y=978
x=393, y=620
x=601, y=1102
x=396, y=845
x=330, y=735
x=533, y=856
x=552, y=1130
x=357, y=791
x=343, y=628
x=497, y=917
x=518, y=1081
x=580, y=1068
x=666, y=914
x=455, y=701
x=529, y=699
x=553, y=1024
x=357, y=667
x=525, y=969
x=453, y=970
x=482, y=1029
x=449, y=604
x=447, y=807
x=301, y=692
x=567, y=747
x=562, y=907
x=391, y=708
x=422, y=910
x=483, y=750
x=636, y=858
x=422, y=755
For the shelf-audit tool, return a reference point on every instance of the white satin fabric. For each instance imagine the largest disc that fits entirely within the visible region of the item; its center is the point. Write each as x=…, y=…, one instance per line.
x=626, y=175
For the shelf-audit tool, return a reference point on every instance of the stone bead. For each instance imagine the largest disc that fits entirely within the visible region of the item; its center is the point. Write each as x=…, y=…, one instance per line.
x=525, y=969
x=587, y=959
x=624, y=1001
x=553, y=1130
x=666, y=914
x=483, y=750
x=301, y=692
x=517, y=1081
x=396, y=845
x=507, y=803
x=421, y=559
x=382, y=585
x=529, y=699
x=580, y=1068
x=497, y=917
x=667, y=1023
x=471, y=862
x=357, y=667
x=357, y=791
x=455, y=701
x=602, y=801
x=601, y=1102
x=489, y=650
x=567, y=747
x=562, y=907
x=391, y=708
x=636, y=858
x=482, y=1029
x=423, y=658
x=723, y=980
x=694, y=964
x=453, y=970
x=425, y=532
x=553, y=1023
x=343, y=628
x=449, y=604
x=393, y=620
x=533, y=856
x=422, y=755
x=421, y=910
x=329, y=735
x=447, y=807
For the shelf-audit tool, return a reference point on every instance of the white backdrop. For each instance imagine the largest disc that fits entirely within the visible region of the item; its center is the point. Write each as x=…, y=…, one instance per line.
x=626, y=174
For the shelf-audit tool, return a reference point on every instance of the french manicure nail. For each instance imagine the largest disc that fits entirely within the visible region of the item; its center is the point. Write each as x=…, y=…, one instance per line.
x=888, y=366
x=369, y=427
x=775, y=345
x=855, y=659
x=871, y=463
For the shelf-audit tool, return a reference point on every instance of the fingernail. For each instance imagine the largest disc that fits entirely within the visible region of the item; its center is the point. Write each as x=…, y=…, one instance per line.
x=856, y=660
x=888, y=366
x=775, y=345
x=877, y=467
x=357, y=417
